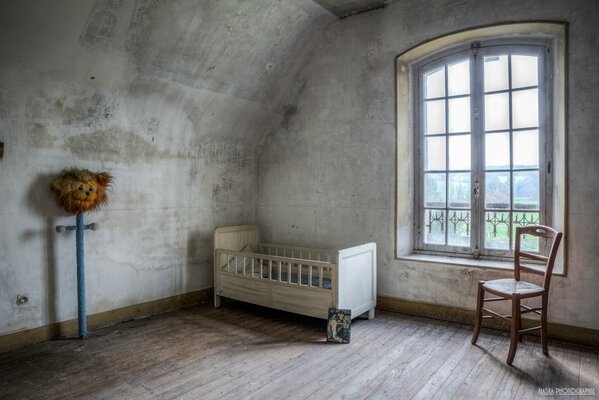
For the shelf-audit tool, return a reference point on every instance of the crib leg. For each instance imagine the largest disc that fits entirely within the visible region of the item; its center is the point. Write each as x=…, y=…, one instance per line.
x=371, y=314
x=216, y=301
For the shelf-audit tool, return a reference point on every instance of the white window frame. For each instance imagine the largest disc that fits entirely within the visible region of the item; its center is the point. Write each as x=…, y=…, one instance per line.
x=406, y=247
x=475, y=51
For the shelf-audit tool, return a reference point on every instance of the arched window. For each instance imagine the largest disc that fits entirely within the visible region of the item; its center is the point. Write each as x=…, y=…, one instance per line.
x=482, y=126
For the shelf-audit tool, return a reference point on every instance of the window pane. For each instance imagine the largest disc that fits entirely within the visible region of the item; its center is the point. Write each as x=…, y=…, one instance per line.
x=458, y=233
x=497, y=190
x=525, y=108
x=434, y=226
x=459, y=152
x=459, y=190
x=526, y=149
x=434, y=153
x=497, y=228
x=497, y=150
x=435, y=83
x=528, y=242
x=434, y=116
x=524, y=71
x=526, y=190
x=459, y=115
x=458, y=78
x=434, y=190
x=496, y=112
x=496, y=73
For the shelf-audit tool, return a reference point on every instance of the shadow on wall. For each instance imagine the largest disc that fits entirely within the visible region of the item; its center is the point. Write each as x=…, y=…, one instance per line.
x=199, y=261
x=44, y=207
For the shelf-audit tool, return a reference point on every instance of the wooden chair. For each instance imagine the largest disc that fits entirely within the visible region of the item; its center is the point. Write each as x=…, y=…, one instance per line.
x=516, y=290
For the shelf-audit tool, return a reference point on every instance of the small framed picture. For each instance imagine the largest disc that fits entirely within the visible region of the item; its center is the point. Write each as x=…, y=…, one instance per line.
x=339, y=326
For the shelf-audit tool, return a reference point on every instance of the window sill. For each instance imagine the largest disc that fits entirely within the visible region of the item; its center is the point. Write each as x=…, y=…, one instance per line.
x=463, y=262
x=459, y=261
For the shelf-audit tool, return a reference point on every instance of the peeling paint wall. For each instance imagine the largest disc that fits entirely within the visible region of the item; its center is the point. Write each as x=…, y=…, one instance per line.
x=327, y=175
x=173, y=98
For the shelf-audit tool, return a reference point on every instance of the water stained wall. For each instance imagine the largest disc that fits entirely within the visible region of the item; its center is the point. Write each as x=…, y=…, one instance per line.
x=173, y=99
x=223, y=112
x=327, y=175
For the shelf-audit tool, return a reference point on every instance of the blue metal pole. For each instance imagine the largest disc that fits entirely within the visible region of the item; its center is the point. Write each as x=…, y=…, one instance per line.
x=81, y=278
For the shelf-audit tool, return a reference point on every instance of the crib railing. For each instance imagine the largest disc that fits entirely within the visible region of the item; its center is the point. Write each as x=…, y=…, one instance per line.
x=276, y=268
x=306, y=253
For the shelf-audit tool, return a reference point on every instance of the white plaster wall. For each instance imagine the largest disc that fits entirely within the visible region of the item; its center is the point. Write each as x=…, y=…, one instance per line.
x=181, y=93
x=327, y=175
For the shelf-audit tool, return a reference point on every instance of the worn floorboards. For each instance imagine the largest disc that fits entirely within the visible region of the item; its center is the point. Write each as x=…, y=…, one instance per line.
x=243, y=351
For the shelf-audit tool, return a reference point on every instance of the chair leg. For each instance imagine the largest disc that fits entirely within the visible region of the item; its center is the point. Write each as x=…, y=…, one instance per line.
x=520, y=336
x=544, y=325
x=479, y=312
x=515, y=328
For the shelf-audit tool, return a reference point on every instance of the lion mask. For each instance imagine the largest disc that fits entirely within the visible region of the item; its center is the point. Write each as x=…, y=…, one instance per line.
x=80, y=190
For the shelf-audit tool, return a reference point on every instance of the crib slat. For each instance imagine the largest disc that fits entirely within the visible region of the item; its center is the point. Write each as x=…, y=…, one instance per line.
x=320, y=274
x=275, y=264
x=280, y=276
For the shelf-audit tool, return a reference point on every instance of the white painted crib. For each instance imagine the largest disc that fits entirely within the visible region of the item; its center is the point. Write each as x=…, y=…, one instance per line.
x=301, y=280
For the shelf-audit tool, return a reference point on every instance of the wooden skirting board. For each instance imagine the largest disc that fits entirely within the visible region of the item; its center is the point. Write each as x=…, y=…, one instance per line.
x=567, y=333
x=52, y=331
x=14, y=340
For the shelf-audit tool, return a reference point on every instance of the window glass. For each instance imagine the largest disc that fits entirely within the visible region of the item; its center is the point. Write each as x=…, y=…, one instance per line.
x=434, y=117
x=497, y=150
x=496, y=73
x=525, y=108
x=526, y=149
x=434, y=190
x=435, y=83
x=459, y=115
x=524, y=71
x=458, y=78
x=497, y=114
x=434, y=153
x=459, y=152
x=493, y=147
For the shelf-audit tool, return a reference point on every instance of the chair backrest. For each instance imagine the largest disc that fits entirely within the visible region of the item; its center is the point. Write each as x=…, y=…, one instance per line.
x=542, y=232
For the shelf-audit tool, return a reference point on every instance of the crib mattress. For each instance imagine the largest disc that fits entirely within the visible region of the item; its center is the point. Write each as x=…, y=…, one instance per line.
x=326, y=282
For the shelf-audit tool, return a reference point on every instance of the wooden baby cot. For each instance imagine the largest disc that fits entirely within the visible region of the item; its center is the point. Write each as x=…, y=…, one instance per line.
x=302, y=280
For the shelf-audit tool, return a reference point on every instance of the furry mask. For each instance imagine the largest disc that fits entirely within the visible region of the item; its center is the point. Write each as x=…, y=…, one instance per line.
x=80, y=190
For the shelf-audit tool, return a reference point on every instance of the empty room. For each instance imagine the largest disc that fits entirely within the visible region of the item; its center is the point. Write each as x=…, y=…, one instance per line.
x=299, y=199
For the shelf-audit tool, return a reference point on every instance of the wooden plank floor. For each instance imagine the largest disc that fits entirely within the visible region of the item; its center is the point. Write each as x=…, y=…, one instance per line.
x=241, y=351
